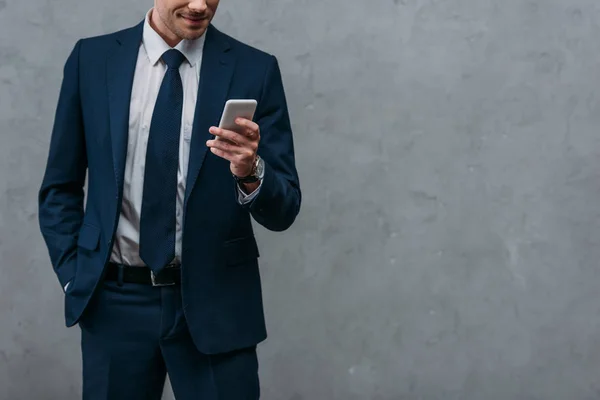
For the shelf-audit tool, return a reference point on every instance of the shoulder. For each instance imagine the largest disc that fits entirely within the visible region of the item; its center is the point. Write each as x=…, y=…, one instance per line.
x=248, y=53
x=116, y=35
x=105, y=42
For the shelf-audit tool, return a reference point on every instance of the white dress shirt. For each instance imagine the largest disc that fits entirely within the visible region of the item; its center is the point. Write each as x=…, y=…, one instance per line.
x=149, y=73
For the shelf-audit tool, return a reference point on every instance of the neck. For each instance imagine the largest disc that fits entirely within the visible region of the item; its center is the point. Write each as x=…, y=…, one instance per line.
x=158, y=25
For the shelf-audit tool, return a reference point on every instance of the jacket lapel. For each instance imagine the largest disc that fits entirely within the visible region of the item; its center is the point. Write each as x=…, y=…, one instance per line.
x=120, y=70
x=215, y=77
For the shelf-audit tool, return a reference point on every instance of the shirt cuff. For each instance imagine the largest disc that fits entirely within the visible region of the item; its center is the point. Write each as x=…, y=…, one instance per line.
x=244, y=198
x=66, y=286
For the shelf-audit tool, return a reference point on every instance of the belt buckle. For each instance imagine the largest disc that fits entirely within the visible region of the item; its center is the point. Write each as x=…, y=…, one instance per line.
x=159, y=284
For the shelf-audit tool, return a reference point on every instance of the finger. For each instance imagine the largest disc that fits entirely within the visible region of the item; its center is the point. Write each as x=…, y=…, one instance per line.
x=246, y=123
x=226, y=146
x=250, y=135
x=251, y=129
x=231, y=157
x=229, y=135
x=245, y=153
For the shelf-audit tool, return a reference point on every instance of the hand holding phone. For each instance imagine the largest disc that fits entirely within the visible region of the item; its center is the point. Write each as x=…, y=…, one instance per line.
x=239, y=108
x=237, y=143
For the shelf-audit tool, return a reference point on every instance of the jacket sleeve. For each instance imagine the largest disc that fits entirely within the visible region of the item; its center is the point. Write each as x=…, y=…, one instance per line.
x=61, y=196
x=277, y=204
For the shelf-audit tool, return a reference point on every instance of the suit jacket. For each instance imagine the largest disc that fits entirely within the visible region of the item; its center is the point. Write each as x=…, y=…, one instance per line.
x=220, y=285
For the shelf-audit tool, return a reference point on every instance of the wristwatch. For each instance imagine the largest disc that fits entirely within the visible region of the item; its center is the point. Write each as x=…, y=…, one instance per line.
x=258, y=172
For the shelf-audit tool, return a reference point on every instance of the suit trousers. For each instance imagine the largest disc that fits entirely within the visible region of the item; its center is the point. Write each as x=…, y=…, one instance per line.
x=132, y=335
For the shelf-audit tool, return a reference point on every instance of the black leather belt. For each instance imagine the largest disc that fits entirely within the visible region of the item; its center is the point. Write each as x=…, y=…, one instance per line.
x=171, y=275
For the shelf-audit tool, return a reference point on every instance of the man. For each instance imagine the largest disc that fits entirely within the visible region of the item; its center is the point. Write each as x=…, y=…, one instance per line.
x=160, y=270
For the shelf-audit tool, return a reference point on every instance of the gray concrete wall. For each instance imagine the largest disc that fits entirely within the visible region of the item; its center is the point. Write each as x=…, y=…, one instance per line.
x=449, y=154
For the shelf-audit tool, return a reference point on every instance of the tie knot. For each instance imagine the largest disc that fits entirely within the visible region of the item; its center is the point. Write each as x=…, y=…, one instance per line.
x=173, y=58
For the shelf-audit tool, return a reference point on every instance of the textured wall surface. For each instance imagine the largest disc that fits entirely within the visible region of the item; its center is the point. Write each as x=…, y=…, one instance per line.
x=449, y=155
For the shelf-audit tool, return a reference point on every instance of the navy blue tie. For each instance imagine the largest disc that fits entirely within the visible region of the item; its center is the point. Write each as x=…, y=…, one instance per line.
x=158, y=219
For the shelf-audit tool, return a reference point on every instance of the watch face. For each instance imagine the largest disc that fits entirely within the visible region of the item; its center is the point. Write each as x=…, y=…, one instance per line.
x=260, y=168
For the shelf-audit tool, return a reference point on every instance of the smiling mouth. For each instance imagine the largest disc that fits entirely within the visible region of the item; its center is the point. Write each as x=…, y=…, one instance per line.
x=193, y=19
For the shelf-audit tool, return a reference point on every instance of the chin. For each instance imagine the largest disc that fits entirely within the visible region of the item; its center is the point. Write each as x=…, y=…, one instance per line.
x=195, y=34
x=187, y=33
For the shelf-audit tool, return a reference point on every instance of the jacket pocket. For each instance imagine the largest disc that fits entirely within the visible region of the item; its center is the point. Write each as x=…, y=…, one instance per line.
x=237, y=251
x=89, y=237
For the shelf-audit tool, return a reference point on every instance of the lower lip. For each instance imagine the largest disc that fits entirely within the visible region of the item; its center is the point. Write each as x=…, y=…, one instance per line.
x=195, y=22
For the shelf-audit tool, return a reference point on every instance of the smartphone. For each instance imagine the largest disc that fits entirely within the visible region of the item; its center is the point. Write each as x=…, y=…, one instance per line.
x=239, y=108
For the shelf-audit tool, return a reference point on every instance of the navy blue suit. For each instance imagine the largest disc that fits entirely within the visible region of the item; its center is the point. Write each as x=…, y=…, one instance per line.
x=220, y=284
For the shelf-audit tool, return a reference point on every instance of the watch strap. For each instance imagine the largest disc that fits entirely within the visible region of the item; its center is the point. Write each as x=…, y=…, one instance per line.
x=253, y=177
x=246, y=179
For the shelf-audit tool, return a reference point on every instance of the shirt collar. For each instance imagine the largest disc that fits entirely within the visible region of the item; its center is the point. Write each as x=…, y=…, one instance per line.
x=155, y=46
